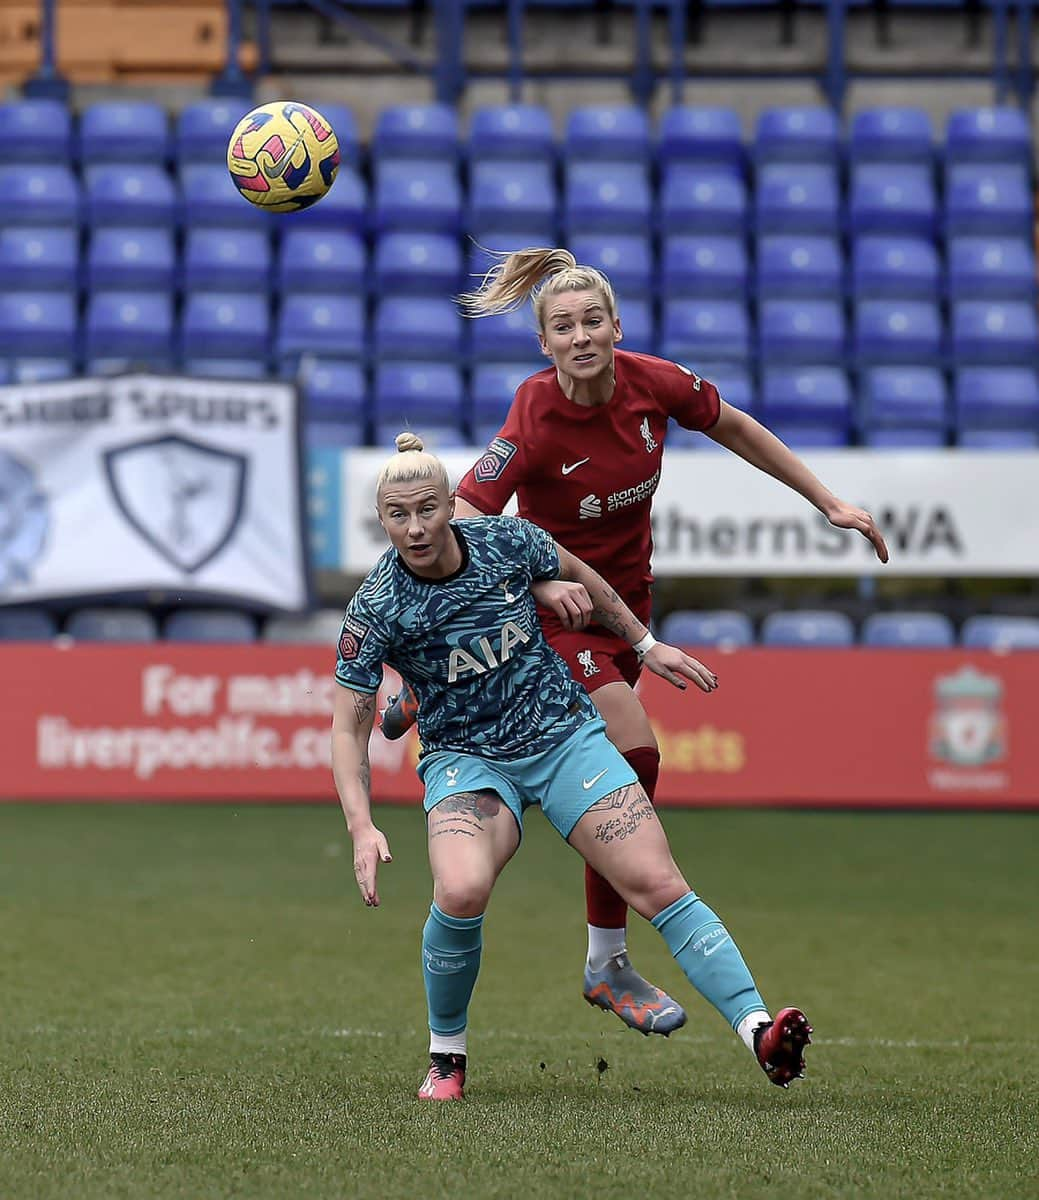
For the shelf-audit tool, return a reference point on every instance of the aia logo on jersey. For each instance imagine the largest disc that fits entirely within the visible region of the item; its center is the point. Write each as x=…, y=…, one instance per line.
x=351, y=638
x=647, y=435
x=494, y=460
x=692, y=374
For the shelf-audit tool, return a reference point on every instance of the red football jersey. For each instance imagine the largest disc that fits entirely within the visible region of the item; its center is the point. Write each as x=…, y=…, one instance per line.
x=587, y=475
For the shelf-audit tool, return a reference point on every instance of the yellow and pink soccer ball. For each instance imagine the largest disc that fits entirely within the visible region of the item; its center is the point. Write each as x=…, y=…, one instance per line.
x=283, y=156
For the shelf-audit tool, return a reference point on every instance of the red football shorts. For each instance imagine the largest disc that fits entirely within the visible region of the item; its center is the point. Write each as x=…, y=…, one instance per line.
x=595, y=656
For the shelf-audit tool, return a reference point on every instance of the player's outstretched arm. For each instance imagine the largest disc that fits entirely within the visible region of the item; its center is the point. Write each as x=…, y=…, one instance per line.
x=741, y=434
x=610, y=611
x=352, y=719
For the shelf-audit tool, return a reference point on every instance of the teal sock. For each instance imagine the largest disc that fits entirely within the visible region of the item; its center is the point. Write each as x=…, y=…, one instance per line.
x=705, y=951
x=450, y=963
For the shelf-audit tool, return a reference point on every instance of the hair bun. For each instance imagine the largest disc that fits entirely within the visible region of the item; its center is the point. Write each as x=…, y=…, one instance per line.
x=408, y=441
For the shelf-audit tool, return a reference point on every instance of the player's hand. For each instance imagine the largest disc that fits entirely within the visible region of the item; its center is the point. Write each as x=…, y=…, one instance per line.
x=569, y=601
x=676, y=667
x=846, y=516
x=370, y=849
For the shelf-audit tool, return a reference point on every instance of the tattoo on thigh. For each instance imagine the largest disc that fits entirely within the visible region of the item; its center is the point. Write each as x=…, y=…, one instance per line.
x=632, y=808
x=618, y=799
x=463, y=814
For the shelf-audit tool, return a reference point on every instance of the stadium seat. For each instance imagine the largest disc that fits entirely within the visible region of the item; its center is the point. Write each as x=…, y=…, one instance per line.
x=335, y=435
x=417, y=328
x=343, y=209
x=709, y=138
x=520, y=132
x=131, y=260
x=607, y=133
x=510, y=197
x=127, y=194
x=39, y=259
x=910, y=401
x=1002, y=633
x=797, y=135
x=321, y=628
x=797, y=199
x=203, y=130
x=989, y=135
x=26, y=624
x=416, y=196
x=210, y=200
x=891, y=135
x=209, y=625
x=225, y=368
x=38, y=324
x=908, y=630
x=416, y=394
x=1001, y=333
x=417, y=264
x=321, y=261
x=991, y=268
x=701, y=329
x=895, y=268
x=493, y=388
x=1002, y=440
x=436, y=438
x=416, y=131
x=333, y=326
x=724, y=629
x=996, y=397
x=806, y=397
x=625, y=258
x=992, y=201
x=112, y=625
x=799, y=266
x=735, y=383
x=226, y=260
x=807, y=627
x=130, y=327
x=506, y=337
x=607, y=198
x=898, y=200
x=38, y=195
x=890, y=332
x=482, y=255
x=124, y=131
x=226, y=325
x=333, y=390
x=36, y=130
x=694, y=201
x=708, y=266
x=40, y=370
x=638, y=326
x=801, y=331
x=909, y=438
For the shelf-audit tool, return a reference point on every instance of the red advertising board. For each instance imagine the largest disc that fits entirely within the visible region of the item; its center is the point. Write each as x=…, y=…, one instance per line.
x=811, y=727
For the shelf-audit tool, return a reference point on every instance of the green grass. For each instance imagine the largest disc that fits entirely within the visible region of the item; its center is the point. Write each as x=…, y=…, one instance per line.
x=195, y=1003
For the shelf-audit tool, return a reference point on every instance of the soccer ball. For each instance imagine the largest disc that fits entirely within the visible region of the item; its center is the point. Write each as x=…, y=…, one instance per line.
x=283, y=156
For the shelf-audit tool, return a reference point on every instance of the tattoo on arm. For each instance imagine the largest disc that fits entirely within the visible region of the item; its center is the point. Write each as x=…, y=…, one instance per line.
x=364, y=707
x=464, y=814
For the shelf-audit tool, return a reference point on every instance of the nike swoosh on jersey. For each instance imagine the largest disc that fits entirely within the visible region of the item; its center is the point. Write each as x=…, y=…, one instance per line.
x=568, y=467
x=590, y=783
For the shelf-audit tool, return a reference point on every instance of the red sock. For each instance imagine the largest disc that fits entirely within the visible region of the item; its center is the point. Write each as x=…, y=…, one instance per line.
x=604, y=907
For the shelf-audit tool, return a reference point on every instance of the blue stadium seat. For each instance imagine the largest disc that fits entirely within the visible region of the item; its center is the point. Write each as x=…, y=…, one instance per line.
x=986, y=200
x=321, y=261
x=26, y=624
x=40, y=194
x=638, y=326
x=709, y=266
x=226, y=260
x=38, y=324
x=124, y=131
x=210, y=200
x=710, y=138
x=130, y=328
x=890, y=135
x=226, y=325
x=131, y=260
x=1000, y=333
x=909, y=400
x=203, y=130
x=996, y=397
x=416, y=196
x=607, y=133
x=36, y=130
x=892, y=332
x=898, y=199
x=909, y=438
x=808, y=400
x=335, y=435
x=39, y=259
x=991, y=268
x=725, y=629
x=1002, y=440
x=127, y=194
x=993, y=632
x=417, y=264
x=607, y=198
x=112, y=625
x=420, y=131
x=625, y=258
x=810, y=437
x=695, y=201
x=735, y=383
x=801, y=331
x=807, y=627
x=416, y=394
x=799, y=266
x=417, y=328
x=895, y=268
x=493, y=387
x=508, y=338
x=797, y=199
x=209, y=625
x=990, y=135
x=344, y=209
x=908, y=630
x=40, y=370
x=225, y=368
x=333, y=390
x=436, y=438
x=520, y=132
x=701, y=329
x=797, y=135
x=321, y=628
x=333, y=326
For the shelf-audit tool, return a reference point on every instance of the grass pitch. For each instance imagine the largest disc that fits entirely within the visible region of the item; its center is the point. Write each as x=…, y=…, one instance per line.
x=196, y=1004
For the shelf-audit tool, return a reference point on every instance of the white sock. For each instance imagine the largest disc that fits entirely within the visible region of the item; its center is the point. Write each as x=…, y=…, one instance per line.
x=447, y=1043
x=746, y=1027
x=603, y=944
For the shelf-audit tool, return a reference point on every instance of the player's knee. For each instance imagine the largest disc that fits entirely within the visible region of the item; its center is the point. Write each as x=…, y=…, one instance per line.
x=656, y=890
x=463, y=897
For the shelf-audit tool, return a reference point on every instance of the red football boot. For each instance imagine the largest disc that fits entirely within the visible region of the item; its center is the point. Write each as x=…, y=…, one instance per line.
x=445, y=1079
x=780, y=1046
